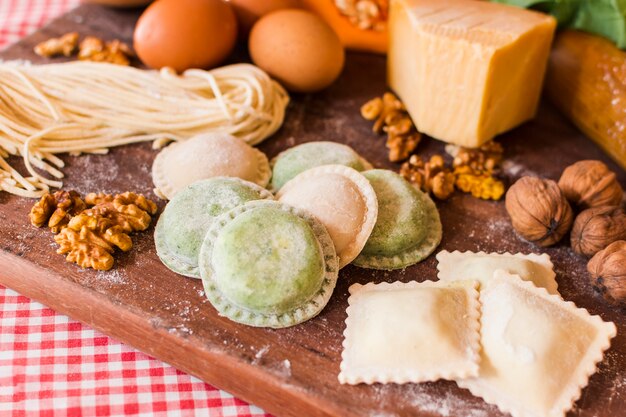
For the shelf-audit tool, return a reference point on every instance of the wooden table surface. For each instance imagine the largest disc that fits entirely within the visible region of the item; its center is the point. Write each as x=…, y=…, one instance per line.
x=290, y=372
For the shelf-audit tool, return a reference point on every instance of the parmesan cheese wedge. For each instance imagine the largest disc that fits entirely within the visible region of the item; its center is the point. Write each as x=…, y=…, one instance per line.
x=467, y=70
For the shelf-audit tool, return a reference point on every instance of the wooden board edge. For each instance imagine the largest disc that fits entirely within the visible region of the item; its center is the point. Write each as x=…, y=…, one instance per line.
x=251, y=385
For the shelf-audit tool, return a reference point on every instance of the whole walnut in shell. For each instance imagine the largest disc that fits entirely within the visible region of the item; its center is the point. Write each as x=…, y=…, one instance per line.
x=596, y=228
x=608, y=272
x=590, y=184
x=538, y=210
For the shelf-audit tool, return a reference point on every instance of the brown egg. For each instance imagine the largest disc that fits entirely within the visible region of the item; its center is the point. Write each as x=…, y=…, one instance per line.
x=249, y=11
x=185, y=34
x=298, y=49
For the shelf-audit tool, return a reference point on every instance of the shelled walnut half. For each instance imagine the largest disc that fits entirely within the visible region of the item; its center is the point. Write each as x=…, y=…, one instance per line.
x=89, y=236
x=431, y=176
x=95, y=49
x=64, y=45
x=90, y=49
x=391, y=117
x=56, y=210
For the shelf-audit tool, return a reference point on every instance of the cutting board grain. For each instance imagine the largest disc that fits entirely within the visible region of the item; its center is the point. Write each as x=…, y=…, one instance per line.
x=289, y=372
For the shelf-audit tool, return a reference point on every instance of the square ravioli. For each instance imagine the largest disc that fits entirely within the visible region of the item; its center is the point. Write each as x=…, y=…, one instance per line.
x=538, y=351
x=480, y=266
x=411, y=332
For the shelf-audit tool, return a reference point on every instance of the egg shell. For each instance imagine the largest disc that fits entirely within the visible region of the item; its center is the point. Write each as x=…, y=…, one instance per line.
x=185, y=34
x=249, y=11
x=298, y=49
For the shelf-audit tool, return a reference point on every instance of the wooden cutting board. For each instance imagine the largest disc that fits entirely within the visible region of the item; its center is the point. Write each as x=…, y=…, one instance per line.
x=290, y=372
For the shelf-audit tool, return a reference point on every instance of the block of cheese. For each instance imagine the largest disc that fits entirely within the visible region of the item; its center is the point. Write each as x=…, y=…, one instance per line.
x=467, y=70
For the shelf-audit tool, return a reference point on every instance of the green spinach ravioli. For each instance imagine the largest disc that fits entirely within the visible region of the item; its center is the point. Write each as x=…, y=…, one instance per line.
x=181, y=228
x=267, y=264
x=407, y=229
x=293, y=161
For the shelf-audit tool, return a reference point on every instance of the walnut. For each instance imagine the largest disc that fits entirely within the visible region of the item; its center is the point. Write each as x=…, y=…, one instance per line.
x=608, y=272
x=56, y=209
x=42, y=210
x=122, y=200
x=65, y=45
x=590, y=184
x=431, y=177
x=484, y=159
x=392, y=109
x=539, y=211
x=442, y=185
x=95, y=49
x=90, y=236
x=365, y=14
x=479, y=184
x=598, y=227
x=372, y=109
x=401, y=147
x=392, y=118
x=413, y=171
x=129, y=217
x=85, y=248
x=90, y=46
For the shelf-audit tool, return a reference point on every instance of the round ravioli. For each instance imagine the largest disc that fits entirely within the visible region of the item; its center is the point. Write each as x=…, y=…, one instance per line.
x=408, y=228
x=184, y=222
x=342, y=199
x=207, y=156
x=298, y=159
x=267, y=264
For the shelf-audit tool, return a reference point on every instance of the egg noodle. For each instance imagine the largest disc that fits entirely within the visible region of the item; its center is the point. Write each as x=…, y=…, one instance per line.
x=89, y=107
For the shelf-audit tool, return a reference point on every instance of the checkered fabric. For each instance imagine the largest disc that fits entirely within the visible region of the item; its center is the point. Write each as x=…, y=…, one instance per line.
x=52, y=366
x=21, y=17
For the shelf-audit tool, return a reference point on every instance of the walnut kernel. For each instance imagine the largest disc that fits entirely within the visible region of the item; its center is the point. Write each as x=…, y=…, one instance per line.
x=372, y=109
x=431, y=177
x=89, y=237
x=392, y=118
x=480, y=185
x=95, y=49
x=56, y=209
x=65, y=45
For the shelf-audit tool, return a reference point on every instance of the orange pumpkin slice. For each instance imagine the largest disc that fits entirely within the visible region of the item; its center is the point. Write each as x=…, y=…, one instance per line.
x=359, y=29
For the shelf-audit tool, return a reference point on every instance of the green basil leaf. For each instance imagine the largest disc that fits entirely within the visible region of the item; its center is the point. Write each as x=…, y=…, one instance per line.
x=602, y=17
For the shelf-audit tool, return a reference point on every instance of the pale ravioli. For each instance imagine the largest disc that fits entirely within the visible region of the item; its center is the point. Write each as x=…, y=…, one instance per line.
x=207, y=156
x=407, y=229
x=289, y=163
x=342, y=199
x=538, y=350
x=411, y=332
x=184, y=222
x=268, y=264
x=480, y=266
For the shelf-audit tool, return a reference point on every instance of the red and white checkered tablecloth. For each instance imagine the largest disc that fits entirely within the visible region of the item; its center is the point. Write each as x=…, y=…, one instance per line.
x=53, y=366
